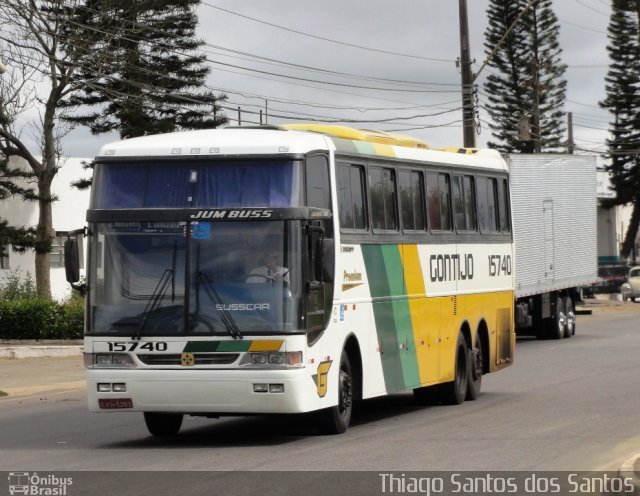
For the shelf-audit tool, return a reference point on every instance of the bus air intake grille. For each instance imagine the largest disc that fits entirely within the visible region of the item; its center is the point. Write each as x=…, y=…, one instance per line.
x=199, y=359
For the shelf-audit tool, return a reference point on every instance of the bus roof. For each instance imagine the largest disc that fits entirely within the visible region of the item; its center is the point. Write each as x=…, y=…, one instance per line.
x=297, y=139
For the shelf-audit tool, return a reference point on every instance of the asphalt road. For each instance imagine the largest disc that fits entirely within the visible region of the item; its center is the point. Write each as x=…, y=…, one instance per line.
x=564, y=405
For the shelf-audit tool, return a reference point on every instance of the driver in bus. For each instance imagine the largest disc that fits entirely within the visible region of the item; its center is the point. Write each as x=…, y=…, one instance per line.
x=269, y=271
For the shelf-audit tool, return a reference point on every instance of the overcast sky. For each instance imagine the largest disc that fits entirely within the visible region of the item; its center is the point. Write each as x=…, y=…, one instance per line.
x=422, y=38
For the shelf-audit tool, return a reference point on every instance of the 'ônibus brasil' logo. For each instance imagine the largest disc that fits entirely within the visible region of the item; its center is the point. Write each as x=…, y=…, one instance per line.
x=321, y=377
x=232, y=214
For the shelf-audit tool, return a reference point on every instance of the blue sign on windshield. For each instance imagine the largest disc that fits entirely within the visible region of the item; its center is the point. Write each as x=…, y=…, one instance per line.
x=201, y=230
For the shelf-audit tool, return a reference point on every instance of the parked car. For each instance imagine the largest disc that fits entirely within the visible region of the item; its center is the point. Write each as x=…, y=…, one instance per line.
x=610, y=277
x=630, y=290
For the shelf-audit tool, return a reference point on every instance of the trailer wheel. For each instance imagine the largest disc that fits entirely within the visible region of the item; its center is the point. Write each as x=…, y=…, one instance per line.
x=557, y=324
x=475, y=370
x=569, y=311
x=163, y=424
x=336, y=419
x=454, y=392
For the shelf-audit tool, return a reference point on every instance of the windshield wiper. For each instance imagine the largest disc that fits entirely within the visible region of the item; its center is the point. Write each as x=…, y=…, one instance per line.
x=168, y=276
x=155, y=300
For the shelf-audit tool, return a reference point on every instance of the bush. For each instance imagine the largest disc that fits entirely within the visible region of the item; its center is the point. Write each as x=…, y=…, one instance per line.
x=23, y=315
x=39, y=318
x=15, y=287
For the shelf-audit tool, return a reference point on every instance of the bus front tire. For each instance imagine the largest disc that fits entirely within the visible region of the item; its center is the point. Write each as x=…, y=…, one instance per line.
x=335, y=420
x=163, y=424
x=454, y=392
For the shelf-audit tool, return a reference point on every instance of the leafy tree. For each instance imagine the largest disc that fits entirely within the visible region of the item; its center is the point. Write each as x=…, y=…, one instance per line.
x=39, y=75
x=143, y=70
x=622, y=85
x=528, y=82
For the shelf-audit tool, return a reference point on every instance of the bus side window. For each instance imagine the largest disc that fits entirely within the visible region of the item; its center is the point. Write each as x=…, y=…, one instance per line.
x=464, y=203
x=488, y=204
x=439, y=201
x=382, y=189
x=411, y=187
x=317, y=182
x=351, y=197
x=505, y=214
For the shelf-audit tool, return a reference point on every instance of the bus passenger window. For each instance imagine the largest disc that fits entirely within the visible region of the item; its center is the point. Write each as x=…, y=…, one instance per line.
x=317, y=179
x=411, y=188
x=351, y=197
x=439, y=201
x=488, y=204
x=505, y=216
x=464, y=203
x=382, y=187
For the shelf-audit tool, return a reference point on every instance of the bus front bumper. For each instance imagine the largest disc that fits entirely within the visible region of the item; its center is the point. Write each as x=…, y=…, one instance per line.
x=203, y=391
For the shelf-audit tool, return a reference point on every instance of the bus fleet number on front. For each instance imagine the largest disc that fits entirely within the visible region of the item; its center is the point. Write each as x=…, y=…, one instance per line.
x=133, y=345
x=499, y=265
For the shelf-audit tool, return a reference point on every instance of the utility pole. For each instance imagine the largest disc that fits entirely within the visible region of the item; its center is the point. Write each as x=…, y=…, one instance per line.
x=570, y=146
x=468, y=123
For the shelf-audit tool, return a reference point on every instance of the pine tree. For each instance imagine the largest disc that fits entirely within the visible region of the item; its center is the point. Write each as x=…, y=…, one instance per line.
x=622, y=85
x=19, y=237
x=143, y=72
x=528, y=82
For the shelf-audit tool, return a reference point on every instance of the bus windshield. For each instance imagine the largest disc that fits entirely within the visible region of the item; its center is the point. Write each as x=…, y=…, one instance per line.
x=210, y=184
x=148, y=278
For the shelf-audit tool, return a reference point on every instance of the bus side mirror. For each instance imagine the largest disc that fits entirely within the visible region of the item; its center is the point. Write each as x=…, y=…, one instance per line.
x=71, y=261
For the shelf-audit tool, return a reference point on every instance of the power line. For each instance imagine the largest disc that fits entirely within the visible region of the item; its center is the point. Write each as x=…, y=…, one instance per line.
x=322, y=38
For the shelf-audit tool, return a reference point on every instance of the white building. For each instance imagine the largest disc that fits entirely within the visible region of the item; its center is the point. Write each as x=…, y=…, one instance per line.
x=69, y=213
x=612, y=224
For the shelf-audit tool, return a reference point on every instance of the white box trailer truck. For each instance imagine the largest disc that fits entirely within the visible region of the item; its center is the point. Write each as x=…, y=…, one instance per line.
x=553, y=200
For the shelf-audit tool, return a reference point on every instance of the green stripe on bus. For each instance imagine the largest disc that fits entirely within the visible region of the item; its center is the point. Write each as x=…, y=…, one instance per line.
x=216, y=346
x=392, y=316
x=401, y=315
x=384, y=318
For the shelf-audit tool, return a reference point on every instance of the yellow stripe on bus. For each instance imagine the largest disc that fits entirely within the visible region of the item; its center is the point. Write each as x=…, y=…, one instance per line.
x=266, y=345
x=422, y=314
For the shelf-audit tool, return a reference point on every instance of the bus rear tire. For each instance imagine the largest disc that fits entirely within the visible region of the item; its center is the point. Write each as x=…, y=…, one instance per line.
x=335, y=420
x=163, y=424
x=475, y=370
x=454, y=392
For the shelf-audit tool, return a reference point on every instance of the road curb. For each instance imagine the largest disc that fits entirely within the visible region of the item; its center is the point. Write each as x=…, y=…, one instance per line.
x=629, y=469
x=17, y=352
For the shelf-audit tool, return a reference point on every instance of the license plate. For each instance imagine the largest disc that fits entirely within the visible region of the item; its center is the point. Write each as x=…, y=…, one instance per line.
x=113, y=403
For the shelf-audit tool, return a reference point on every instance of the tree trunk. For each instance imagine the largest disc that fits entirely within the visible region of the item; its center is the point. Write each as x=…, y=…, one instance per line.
x=632, y=231
x=44, y=235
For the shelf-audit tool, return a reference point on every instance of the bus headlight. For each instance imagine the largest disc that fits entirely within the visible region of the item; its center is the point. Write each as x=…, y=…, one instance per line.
x=108, y=361
x=272, y=360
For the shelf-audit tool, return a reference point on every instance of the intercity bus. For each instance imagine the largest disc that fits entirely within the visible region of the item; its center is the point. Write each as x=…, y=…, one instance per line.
x=395, y=266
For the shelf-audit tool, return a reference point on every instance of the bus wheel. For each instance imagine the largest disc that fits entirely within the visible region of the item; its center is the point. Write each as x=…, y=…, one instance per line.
x=335, y=420
x=557, y=323
x=163, y=424
x=454, y=393
x=570, y=316
x=475, y=370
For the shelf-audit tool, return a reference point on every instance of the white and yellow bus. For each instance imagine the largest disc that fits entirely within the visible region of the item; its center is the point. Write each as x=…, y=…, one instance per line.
x=293, y=269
